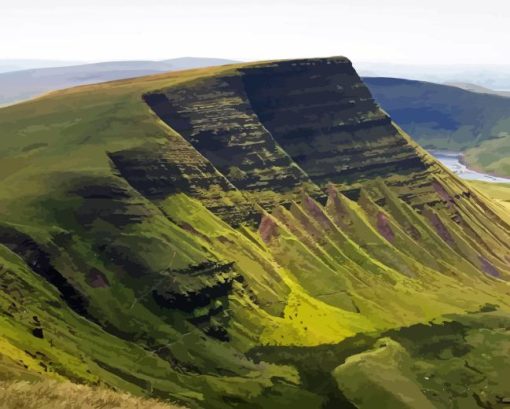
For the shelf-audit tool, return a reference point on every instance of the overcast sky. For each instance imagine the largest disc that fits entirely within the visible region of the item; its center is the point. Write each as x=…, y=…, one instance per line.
x=398, y=31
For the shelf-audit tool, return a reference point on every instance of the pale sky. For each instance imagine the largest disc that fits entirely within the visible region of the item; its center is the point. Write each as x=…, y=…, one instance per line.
x=397, y=31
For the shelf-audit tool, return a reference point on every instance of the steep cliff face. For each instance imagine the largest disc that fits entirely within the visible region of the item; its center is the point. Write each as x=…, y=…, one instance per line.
x=200, y=227
x=331, y=126
x=286, y=126
x=160, y=171
x=216, y=117
x=308, y=124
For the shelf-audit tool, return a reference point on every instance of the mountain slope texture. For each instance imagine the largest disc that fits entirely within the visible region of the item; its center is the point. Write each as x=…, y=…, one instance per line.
x=448, y=118
x=250, y=236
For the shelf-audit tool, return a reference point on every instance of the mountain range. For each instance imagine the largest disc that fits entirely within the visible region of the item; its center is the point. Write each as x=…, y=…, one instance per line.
x=492, y=76
x=478, y=88
x=255, y=235
x=8, y=65
x=18, y=85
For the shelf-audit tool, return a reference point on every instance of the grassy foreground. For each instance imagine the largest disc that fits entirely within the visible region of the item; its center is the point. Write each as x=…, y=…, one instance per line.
x=66, y=395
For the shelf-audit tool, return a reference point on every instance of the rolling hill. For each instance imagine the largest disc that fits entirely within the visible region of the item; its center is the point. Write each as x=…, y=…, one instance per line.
x=449, y=118
x=19, y=85
x=8, y=65
x=492, y=76
x=478, y=88
x=253, y=236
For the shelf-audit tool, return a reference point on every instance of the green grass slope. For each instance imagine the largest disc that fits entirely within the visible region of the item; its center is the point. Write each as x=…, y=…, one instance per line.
x=174, y=235
x=491, y=157
x=500, y=192
x=65, y=395
x=449, y=118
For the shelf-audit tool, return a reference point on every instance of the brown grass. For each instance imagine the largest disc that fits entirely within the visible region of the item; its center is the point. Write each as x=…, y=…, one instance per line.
x=66, y=395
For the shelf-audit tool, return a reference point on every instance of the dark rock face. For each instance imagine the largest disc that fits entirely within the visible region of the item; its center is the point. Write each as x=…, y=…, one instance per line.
x=159, y=174
x=177, y=167
x=216, y=117
x=325, y=118
x=107, y=199
x=289, y=126
x=38, y=332
x=39, y=260
x=196, y=286
x=201, y=291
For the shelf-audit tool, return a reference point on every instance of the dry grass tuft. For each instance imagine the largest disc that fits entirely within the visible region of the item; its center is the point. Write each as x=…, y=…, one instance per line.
x=66, y=395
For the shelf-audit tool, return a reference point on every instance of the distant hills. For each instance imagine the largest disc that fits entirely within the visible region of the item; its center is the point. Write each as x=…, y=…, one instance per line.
x=449, y=118
x=478, y=88
x=8, y=65
x=495, y=77
x=20, y=85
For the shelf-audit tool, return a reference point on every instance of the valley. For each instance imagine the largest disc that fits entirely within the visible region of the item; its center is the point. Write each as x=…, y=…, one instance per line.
x=454, y=162
x=448, y=118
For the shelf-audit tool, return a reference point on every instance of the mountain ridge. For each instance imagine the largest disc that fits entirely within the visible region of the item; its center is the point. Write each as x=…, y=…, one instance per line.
x=178, y=277
x=24, y=84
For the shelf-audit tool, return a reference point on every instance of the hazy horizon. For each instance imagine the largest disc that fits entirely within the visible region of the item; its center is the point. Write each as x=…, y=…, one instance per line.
x=413, y=33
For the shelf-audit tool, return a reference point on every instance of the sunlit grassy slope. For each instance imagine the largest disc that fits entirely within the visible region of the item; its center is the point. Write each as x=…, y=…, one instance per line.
x=491, y=156
x=499, y=192
x=173, y=235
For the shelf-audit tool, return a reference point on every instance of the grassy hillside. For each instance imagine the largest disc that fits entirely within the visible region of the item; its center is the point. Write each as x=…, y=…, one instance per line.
x=500, y=192
x=65, y=395
x=491, y=156
x=449, y=118
x=178, y=235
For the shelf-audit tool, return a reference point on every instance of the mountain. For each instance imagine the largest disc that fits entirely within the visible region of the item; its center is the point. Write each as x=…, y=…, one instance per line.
x=478, y=88
x=490, y=76
x=19, y=85
x=7, y=65
x=448, y=118
x=185, y=63
x=257, y=235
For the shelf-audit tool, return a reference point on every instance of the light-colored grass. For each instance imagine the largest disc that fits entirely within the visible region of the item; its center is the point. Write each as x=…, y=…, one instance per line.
x=500, y=192
x=66, y=395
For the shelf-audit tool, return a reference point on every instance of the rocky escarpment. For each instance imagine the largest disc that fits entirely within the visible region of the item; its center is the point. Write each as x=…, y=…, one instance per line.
x=215, y=116
x=284, y=128
x=159, y=171
x=295, y=125
x=331, y=126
